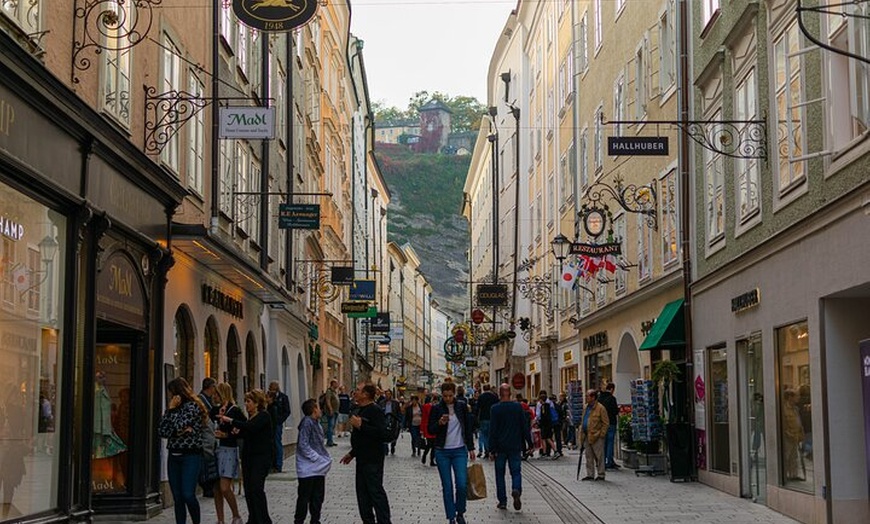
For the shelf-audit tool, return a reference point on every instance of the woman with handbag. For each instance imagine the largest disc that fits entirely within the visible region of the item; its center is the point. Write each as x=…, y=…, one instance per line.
x=256, y=453
x=451, y=423
x=182, y=425
x=227, y=453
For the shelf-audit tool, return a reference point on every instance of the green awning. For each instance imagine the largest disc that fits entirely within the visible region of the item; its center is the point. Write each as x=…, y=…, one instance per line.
x=669, y=331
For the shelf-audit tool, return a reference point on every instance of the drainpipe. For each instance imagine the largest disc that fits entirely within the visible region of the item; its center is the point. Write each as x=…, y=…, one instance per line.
x=215, y=118
x=291, y=148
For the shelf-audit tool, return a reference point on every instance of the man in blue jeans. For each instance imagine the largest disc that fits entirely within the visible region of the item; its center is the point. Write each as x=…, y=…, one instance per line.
x=508, y=430
x=486, y=401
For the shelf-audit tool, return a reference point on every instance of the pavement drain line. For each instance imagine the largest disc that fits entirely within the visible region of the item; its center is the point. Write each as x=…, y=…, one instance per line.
x=564, y=503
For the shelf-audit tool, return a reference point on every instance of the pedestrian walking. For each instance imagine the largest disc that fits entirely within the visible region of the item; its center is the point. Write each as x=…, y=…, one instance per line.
x=343, y=412
x=391, y=409
x=413, y=419
x=182, y=425
x=607, y=399
x=545, y=414
x=331, y=413
x=368, y=434
x=450, y=422
x=227, y=453
x=485, y=403
x=257, y=453
x=428, y=438
x=281, y=413
x=209, y=443
x=509, y=433
x=312, y=464
x=593, y=432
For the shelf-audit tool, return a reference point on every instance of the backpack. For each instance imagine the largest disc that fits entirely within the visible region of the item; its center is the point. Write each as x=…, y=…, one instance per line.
x=394, y=427
x=321, y=401
x=554, y=414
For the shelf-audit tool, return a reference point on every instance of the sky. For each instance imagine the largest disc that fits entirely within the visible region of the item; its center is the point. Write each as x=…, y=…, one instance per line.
x=427, y=45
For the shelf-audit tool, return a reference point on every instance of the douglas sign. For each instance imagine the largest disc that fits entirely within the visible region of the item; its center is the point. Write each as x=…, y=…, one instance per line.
x=274, y=16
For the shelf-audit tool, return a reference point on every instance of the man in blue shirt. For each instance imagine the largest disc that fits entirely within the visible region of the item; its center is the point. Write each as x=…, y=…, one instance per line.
x=508, y=430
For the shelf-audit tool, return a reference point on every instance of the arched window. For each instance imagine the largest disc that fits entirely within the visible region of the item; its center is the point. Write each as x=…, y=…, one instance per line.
x=185, y=341
x=233, y=351
x=285, y=370
x=251, y=362
x=211, y=349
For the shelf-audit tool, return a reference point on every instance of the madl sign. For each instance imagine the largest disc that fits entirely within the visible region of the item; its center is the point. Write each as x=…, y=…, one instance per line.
x=253, y=123
x=275, y=16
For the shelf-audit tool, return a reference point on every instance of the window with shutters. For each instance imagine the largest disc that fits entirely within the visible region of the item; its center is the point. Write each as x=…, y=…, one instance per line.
x=746, y=169
x=599, y=37
x=714, y=192
x=619, y=236
x=848, y=79
x=619, y=104
x=790, y=113
x=196, y=139
x=171, y=81
x=598, y=151
x=584, y=159
x=641, y=73
x=668, y=217
x=668, y=48
x=644, y=248
x=584, y=44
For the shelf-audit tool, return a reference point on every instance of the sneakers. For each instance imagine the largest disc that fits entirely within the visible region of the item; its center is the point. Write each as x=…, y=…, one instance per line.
x=557, y=455
x=518, y=504
x=501, y=505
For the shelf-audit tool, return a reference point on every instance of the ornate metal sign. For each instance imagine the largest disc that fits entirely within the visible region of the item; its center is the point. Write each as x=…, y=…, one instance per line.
x=274, y=16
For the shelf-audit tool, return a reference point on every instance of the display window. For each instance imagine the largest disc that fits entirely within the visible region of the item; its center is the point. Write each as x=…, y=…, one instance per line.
x=720, y=445
x=111, y=418
x=599, y=369
x=33, y=247
x=795, y=407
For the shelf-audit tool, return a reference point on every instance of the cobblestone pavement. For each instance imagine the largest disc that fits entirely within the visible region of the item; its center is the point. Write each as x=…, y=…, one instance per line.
x=551, y=494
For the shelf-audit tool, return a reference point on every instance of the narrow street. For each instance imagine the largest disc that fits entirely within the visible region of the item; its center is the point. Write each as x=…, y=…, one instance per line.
x=551, y=495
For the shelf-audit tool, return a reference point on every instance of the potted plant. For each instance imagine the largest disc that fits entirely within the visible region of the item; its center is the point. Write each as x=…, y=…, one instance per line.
x=626, y=442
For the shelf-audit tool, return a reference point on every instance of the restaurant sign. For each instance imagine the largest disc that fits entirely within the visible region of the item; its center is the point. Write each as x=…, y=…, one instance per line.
x=596, y=250
x=274, y=16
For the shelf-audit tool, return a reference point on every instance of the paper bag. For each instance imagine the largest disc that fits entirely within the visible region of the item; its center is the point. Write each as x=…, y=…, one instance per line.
x=476, y=482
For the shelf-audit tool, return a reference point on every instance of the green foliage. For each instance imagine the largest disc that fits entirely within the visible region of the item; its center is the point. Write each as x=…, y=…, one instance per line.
x=666, y=372
x=623, y=427
x=467, y=111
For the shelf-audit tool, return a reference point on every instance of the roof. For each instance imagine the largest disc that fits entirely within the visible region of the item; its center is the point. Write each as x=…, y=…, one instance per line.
x=434, y=105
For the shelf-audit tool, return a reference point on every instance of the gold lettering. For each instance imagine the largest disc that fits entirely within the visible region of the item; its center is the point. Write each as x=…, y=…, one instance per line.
x=121, y=282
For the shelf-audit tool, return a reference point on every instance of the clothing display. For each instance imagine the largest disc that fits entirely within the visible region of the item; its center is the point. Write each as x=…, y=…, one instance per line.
x=106, y=442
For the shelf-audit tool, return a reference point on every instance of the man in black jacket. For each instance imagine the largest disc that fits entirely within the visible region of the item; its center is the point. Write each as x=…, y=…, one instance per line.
x=607, y=400
x=366, y=440
x=510, y=430
x=281, y=411
x=484, y=404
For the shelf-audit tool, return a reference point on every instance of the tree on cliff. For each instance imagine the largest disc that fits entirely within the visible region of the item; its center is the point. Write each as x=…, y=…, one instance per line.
x=466, y=111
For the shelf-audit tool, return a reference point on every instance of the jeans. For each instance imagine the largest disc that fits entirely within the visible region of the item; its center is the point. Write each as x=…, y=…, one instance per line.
x=279, y=447
x=370, y=495
x=415, y=439
x=453, y=463
x=608, y=446
x=572, y=435
x=483, y=441
x=514, y=462
x=557, y=432
x=330, y=428
x=310, y=495
x=183, y=473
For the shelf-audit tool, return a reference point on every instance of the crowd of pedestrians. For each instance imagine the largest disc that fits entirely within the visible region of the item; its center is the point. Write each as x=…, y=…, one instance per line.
x=213, y=442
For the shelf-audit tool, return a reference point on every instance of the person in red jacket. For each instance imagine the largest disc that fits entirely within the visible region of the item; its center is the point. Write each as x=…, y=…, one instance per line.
x=424, y=429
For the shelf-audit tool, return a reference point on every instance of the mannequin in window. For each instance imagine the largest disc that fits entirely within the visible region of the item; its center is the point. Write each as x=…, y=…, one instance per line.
x=108, y=474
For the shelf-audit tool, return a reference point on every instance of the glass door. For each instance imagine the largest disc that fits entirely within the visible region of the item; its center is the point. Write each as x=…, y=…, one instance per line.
x=753, y=476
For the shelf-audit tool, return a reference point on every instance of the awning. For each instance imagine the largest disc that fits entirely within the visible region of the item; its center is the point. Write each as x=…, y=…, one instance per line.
x=669, y=331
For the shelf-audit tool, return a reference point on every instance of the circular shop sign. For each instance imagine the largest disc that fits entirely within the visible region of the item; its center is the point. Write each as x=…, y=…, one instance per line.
x=518, y=381
x=274, y=16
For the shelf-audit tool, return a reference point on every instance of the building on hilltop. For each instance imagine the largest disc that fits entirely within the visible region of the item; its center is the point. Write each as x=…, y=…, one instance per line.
x=434, y=127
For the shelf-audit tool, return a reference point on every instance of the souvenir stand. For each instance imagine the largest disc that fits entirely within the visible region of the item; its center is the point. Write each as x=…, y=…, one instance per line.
x=646, y=425
x=575, y=406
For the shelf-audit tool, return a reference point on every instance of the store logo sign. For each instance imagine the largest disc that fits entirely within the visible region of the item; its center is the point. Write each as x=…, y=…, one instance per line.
x=275, y=16
x=253, y=123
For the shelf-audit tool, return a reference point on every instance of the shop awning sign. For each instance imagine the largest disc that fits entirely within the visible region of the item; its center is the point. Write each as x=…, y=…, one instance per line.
x=252, y=123
x=274, y=16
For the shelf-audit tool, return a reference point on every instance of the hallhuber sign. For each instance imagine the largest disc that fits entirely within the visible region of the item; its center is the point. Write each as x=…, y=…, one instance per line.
x=274, y=16
x=637, y=145
x=252, y=123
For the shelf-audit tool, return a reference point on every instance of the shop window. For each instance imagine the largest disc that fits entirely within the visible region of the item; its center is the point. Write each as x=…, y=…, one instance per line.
x=112, y=364
x=285, y=370
x=599, y=369
x=32, y=261
x=795, y=407
x=211, y=364
x=720, y=445
x=185, y=341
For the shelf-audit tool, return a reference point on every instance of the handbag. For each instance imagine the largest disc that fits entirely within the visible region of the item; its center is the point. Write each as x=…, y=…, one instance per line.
x=476, y=482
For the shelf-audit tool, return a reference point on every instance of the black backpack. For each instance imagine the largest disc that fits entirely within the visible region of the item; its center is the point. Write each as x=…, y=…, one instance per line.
x=394, y=427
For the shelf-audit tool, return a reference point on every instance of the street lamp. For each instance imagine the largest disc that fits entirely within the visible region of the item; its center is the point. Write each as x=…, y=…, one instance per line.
x=560, y=246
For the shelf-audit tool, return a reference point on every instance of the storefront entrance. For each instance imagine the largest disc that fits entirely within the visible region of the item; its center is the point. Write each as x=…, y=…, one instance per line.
x=753, y=456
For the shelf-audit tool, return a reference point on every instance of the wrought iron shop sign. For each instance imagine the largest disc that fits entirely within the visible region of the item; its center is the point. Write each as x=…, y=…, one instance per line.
x=252, y=123
x=745, y=301
x=299, y=216
x=637, y=145
x=362, y=290
x=274, y=16
x=341, y=275
x=596, y=250
x=355, y=307
x=492, y=295
x=381, y=323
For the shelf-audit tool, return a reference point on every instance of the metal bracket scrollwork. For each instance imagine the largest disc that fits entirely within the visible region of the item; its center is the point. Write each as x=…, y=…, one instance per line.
x=632, y=198
x=168, y=112
x=319, y=280
x=109, y=25
x=732, y=138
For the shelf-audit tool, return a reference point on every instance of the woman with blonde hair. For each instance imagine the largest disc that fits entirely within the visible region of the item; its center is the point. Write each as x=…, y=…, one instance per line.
x=227, y=453
x=256, y=453
x=182, y=426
